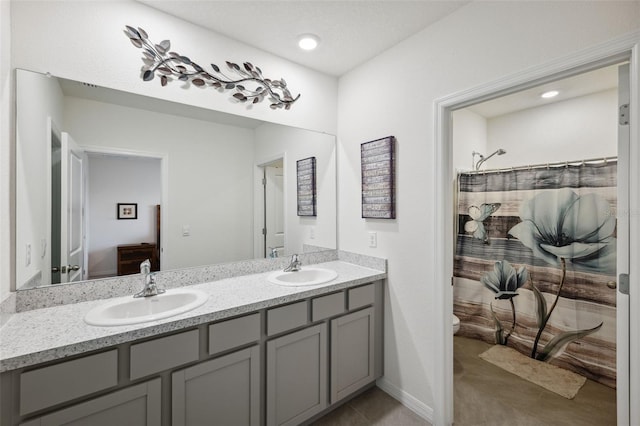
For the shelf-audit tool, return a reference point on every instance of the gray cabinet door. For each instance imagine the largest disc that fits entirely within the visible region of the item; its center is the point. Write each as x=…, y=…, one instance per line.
x=352, y=353
x=297, y=376
x=137, y=405
x=223, y=391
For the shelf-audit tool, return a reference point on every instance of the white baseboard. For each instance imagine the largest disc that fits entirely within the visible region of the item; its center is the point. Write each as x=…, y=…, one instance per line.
x=94, y=275
x=406, y=399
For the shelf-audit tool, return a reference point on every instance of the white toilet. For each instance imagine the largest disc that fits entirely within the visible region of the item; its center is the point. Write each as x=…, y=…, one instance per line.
x=456, y=324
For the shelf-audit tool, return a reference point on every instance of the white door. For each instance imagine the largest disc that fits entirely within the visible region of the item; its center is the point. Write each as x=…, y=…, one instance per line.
x=274, y=209
x=72, y=211
x=51, y=264
x=622, y=299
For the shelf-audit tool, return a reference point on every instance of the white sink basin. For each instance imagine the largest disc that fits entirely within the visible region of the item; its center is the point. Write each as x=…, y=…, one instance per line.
x=305, y=276
x=130, y=310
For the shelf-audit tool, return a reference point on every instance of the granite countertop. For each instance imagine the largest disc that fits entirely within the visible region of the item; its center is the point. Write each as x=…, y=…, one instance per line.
x=47, y=334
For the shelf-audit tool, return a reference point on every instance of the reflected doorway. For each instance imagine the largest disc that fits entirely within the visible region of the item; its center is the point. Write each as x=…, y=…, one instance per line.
x=273, y=229
x=56, y=188
x=67, y=195
x=117, y=245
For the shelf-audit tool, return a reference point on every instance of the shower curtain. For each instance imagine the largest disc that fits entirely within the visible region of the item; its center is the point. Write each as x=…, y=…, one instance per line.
x=535, y=263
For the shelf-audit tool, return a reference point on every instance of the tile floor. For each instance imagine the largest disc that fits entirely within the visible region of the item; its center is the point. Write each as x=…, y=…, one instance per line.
x=485, y=395
x=373, y=407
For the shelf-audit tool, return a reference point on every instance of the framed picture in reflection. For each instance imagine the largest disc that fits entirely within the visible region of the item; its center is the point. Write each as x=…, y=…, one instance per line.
x=127, y=211
x=306, y=173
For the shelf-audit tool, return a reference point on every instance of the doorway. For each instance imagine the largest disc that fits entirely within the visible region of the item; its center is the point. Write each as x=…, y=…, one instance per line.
x=56, y=194
x=120, y=177
x=538, y=156
x=623, y=49
x=66, y=196
x=273, y=204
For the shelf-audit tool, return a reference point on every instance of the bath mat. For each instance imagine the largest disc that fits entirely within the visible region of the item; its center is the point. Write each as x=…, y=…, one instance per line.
x=563, y=382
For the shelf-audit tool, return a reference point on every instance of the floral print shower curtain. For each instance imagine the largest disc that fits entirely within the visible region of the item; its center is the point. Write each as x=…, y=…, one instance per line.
x=535, y=263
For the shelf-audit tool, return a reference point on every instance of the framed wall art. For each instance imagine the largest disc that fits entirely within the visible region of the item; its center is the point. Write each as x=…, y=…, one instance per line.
x=127, y=211
x=306, y=173
x=378, y=183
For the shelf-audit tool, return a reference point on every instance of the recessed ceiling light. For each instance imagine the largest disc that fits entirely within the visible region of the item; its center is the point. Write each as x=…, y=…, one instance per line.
x=550, y=94
x=308, y=41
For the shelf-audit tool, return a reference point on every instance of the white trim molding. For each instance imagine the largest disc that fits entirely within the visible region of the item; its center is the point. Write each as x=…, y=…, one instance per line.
x=614, y=51
x=259, y=249
x=634, y=236
x=406, y=399
x=164, y=195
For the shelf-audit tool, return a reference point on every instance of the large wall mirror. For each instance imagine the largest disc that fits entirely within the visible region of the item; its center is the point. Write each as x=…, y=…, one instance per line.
x=105, y=177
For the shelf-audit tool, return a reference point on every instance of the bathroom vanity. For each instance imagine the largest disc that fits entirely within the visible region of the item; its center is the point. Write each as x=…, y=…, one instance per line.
x=255, y=353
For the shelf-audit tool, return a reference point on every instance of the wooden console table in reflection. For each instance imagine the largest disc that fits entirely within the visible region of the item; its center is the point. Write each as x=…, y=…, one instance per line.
x=130, y=256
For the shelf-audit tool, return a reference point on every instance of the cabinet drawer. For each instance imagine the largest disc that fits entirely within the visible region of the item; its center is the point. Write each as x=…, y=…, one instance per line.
x=286, y=318
x=62, y=382
x=232, y=333
x=163, y=353
x=137, y=254
x=327, y=306
x=362, y=296
x=128, y=268
x=131, y=255
x=137, y=405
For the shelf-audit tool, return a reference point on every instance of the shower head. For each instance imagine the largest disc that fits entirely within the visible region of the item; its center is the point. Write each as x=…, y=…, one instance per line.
x=499, y=151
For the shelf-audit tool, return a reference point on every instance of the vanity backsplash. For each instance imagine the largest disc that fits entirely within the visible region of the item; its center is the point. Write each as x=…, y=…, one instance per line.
x=44, y=297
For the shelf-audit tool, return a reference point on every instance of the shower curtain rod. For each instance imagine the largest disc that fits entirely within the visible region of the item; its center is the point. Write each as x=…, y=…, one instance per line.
x=543, y=166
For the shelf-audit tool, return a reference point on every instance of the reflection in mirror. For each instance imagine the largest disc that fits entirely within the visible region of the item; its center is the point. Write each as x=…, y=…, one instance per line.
x=207, y=187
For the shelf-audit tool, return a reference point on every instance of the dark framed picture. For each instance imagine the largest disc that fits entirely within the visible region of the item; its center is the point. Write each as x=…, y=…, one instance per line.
x=378, y=183
x=127, y=210
x=306, y=173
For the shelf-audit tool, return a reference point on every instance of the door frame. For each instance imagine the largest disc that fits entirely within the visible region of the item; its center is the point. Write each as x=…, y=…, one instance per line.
x=259, y=249
x=269, y=215
x=608, y=53
x=69, y=147
x=164, y=189
x=52, y=129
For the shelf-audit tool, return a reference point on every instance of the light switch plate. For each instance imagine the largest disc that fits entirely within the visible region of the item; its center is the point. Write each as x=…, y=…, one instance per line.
x=312, y=233
x=373, y=239
x=186, y=230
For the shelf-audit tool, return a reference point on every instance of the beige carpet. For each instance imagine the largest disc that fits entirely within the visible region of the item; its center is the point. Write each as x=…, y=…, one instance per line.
x=563, y=382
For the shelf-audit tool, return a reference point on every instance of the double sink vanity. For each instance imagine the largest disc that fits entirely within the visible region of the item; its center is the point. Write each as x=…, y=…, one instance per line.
x=236, y=344
x=232, y=343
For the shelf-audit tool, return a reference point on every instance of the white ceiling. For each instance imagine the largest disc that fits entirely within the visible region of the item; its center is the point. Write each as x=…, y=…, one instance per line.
x=111, y=96
x=572, y=87
x=351, y=32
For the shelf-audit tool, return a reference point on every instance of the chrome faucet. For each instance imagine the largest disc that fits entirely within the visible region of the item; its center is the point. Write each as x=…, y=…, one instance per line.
x=149, y=280
x=274, y=252
x=295, y=264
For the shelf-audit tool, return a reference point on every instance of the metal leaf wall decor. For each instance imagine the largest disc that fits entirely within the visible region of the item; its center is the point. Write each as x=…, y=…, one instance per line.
x=158, y=59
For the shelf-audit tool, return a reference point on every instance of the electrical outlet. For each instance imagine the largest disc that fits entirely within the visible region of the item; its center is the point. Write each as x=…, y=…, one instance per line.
x=27, y=260
x=373, y=240
x=312, y=233
x=186, y=230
